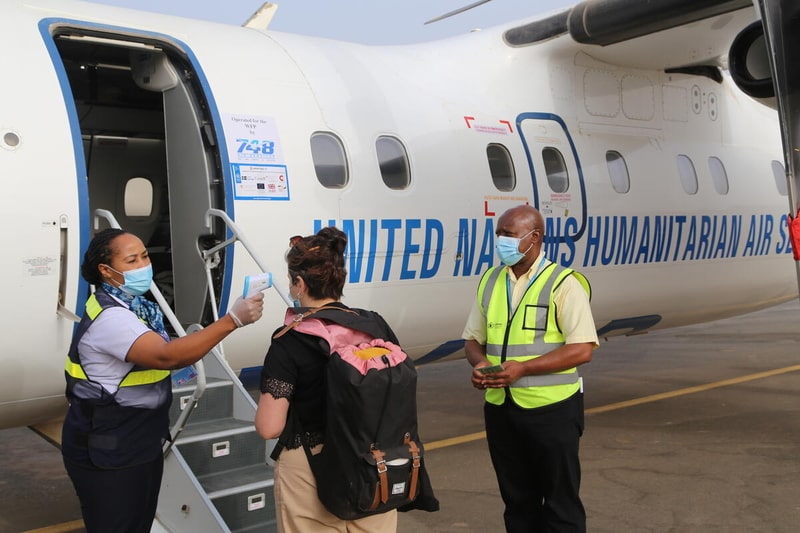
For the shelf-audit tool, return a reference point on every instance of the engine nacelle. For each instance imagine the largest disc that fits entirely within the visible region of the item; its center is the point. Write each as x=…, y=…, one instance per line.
x=748, y=63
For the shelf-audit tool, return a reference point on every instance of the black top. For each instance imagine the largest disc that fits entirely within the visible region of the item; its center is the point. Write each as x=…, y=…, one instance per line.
x=294, y=368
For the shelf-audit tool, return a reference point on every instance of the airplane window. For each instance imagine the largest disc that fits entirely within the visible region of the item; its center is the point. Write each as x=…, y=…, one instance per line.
x=618, y=172
x=780, y=177
x=501, y=167
x=688, y=174
x=330, y=163
x=393, y=162
x=138, y=197
x=556, y=169
x=719, y=175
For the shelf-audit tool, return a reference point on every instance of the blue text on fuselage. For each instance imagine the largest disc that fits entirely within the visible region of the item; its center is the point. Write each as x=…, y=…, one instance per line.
x=415, y=248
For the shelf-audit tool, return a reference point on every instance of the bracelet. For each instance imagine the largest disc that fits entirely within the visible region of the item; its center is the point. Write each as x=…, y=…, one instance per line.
x=235, y=319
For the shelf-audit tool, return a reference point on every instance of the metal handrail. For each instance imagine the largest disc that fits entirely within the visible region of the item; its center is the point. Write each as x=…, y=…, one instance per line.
x=183, y=418
x=176, y=325
x=238, y=235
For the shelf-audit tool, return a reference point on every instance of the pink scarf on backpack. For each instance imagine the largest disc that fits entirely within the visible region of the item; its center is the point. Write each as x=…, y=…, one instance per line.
x=355, y=347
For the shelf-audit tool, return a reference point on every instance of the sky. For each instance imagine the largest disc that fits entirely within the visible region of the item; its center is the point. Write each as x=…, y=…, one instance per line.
x=361, y=21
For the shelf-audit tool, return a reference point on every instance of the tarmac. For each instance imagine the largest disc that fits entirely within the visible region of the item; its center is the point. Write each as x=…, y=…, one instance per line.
x=693, y=429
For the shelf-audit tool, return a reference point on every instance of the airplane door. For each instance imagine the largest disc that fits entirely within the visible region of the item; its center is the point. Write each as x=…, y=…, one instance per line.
x=190, y=171
x=558, y=187
x=151, y=153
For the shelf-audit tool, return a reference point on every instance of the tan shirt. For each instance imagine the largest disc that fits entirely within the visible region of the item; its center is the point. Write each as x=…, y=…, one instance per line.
x=573, y=311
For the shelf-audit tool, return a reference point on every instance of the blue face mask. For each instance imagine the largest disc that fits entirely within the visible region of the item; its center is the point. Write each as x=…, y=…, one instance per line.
x=507, y=249
x=137, y=281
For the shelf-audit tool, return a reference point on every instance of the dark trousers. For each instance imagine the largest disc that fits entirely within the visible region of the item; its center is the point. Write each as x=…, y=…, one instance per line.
x=535, y=457
x=120, y=501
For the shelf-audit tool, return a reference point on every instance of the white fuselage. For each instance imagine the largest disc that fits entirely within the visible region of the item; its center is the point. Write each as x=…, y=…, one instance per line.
x=656, y=256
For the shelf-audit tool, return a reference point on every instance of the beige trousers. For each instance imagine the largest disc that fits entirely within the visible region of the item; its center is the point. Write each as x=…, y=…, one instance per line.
x=299, y=510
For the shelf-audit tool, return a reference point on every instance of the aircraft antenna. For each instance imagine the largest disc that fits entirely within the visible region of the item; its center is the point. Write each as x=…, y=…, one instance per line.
x=457, y=11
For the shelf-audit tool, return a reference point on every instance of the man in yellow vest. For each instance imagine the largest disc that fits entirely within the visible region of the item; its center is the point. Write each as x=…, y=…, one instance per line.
x=530, y=328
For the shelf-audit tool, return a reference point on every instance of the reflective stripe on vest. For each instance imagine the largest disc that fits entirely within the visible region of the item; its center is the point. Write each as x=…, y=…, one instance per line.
x=134, y=378
x=530, y=332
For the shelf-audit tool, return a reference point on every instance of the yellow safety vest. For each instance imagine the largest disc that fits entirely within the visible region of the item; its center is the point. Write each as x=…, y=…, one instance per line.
x=531, y=331
x=136, y=377
x=117, y=430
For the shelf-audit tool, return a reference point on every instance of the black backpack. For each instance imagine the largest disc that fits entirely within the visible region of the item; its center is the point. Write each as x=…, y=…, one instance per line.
x=372, y=459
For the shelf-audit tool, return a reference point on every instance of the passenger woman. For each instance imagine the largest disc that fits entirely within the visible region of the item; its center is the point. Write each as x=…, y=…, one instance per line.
x=291, y=407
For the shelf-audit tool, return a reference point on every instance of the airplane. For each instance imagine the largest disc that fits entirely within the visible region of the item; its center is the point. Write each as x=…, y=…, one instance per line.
x=647, y=134
x=658, y=169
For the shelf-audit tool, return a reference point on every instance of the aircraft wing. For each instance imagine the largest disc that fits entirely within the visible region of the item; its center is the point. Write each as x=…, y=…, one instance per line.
x=696, y=36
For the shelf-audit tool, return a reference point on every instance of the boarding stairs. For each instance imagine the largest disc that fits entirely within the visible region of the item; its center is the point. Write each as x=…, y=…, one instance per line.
x=217, y=475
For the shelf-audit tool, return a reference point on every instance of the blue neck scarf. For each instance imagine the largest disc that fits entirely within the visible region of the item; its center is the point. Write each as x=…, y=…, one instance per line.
x=143, y=308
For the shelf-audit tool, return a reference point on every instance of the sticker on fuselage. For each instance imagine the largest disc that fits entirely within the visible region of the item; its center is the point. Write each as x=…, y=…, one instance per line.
x=256, y=158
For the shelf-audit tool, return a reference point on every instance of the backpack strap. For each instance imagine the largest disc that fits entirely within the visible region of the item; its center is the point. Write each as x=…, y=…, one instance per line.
x=302, y=316
x=382, y=489
x=416, y=463
x=368, y=322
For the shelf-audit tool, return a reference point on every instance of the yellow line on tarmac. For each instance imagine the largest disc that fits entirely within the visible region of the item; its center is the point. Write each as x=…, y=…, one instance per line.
x=455, y=440
x=637, y=401
x=692, y=390
x=64, y=527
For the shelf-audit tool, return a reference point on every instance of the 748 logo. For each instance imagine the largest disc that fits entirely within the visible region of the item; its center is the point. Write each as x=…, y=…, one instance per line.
x=255, y=147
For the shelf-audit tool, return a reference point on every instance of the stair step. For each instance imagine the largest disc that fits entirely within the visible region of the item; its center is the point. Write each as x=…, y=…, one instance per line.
x=216, y=402
x=220, y=451
x=252, y=510
x=242, y=479
x=196, y=430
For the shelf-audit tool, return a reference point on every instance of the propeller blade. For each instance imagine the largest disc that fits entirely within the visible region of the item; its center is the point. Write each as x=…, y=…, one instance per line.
x=457, y=11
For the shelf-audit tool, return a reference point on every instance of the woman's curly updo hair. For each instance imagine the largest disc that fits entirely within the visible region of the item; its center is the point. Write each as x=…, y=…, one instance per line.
x=319, y=260
x=99, y=253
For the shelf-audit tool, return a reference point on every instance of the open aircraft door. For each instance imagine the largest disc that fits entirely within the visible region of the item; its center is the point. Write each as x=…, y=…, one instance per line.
x=194, y=188
x=143, y=110
x=559, y=191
